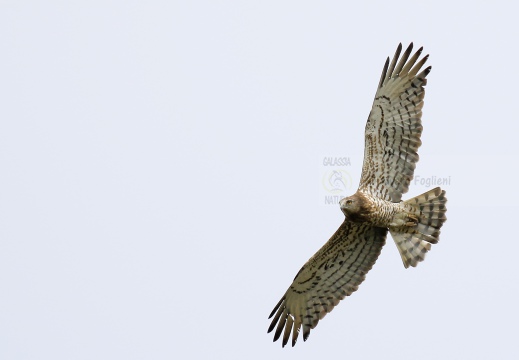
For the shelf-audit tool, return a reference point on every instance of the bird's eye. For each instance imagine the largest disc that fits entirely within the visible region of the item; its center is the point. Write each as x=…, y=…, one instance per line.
x=349, y=201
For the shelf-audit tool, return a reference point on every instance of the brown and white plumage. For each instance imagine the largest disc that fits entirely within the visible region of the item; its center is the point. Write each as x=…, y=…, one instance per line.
x=392, y=138
x=393, y=129
x=414, y=242
x=335, y=271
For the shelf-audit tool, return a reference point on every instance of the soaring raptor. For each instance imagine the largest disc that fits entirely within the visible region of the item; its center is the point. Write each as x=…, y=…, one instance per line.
x=392, y=139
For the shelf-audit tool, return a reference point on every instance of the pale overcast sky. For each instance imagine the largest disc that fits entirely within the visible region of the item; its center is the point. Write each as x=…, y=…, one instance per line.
x=162, y=176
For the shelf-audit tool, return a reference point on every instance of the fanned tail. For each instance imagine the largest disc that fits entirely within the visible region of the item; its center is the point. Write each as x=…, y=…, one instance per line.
x=415, y=241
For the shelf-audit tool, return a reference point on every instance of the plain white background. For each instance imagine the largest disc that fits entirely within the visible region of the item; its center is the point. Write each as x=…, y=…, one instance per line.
x=159, y=183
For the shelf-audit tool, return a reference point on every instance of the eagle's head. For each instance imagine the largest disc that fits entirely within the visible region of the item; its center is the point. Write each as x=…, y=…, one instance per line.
x=354, y=207
x=350, y=205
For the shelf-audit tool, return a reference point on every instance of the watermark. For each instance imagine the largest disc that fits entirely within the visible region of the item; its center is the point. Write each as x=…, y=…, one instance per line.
x=431, y=181
x=335, y=179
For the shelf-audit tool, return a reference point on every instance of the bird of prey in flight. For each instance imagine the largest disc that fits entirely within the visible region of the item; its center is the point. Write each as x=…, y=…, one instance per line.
x=392, y=139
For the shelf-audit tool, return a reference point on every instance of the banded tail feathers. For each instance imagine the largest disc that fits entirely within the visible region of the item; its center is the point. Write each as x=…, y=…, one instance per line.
x=415, y=241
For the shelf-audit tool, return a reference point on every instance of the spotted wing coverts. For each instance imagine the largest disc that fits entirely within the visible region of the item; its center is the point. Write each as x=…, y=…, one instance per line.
x=393, y=129
x=334, y=272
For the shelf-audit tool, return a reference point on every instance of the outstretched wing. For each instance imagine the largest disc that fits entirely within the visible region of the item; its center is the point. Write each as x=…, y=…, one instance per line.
x=334, y=272
x=393, y=129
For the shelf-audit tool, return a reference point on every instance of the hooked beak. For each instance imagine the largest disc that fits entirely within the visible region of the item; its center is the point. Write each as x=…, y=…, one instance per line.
x=342, y=203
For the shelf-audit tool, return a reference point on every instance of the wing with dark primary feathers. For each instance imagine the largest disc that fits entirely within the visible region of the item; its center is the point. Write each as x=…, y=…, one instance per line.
x=334, y=272
x=393, y=129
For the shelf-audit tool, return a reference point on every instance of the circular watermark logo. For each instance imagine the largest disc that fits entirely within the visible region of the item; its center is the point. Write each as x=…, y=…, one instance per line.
x=336, y=181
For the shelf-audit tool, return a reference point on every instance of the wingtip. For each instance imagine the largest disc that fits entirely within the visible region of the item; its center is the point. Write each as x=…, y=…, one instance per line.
x=397, y=52
x=276, y=307
x=271, y=327
x=278, y=332
x=384, y=73
x=306, y=333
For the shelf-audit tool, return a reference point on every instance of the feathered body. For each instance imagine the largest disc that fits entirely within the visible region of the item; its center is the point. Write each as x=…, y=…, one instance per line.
x=392, y=139
x=377, y=212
